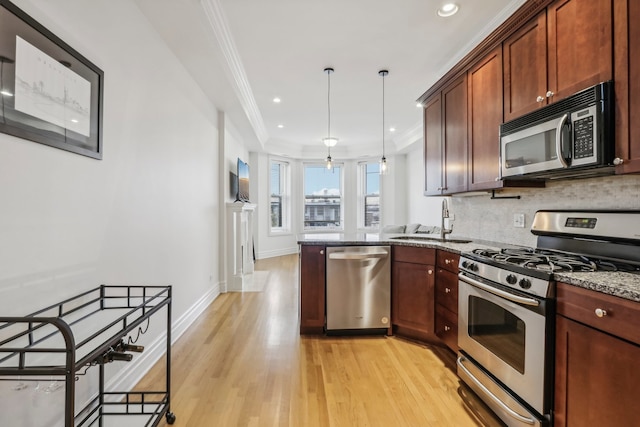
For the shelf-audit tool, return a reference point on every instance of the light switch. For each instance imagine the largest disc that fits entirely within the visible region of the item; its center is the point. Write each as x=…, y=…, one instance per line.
x=518, y=220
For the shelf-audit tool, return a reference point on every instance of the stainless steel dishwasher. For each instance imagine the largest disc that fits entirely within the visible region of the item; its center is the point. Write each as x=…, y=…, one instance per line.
x=358, y=288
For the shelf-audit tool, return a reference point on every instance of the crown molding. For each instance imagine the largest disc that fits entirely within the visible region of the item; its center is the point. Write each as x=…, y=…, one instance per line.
x=218, y=24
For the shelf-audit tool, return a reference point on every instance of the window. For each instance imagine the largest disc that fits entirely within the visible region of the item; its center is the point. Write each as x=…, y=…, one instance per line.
x=322, y=197
x=279, y=206
x=369, y=195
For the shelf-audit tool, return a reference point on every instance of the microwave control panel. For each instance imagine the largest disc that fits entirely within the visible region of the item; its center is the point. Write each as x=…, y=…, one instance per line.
x=583, y=138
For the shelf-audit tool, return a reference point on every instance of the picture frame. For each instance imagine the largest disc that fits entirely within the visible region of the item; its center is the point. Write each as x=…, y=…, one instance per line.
x=50, y=93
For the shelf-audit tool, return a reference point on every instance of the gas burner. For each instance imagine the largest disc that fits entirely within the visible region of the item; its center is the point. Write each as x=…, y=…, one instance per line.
x=552, y=261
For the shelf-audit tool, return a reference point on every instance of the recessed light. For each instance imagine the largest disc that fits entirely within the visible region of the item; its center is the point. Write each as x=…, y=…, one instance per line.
x=280, y=126
x=419, y=105
x=448, y=9
x=276, y=100
x=74, y=120
x=392, y=129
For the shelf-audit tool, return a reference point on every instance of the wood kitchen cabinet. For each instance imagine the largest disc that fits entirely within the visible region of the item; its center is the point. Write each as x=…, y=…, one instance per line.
x=566, y=48
x=484, y=92
x=412, y=297
x=445, y=140
x=312, y=289
x=627, y=84
x=433, y=146
x=446, y=298
x=597, y=353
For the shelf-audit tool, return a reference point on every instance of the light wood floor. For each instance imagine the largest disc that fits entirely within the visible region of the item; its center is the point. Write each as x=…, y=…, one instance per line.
x=243, y=363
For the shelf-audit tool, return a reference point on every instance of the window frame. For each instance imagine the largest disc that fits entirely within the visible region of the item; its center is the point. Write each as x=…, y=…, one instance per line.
x=303, y=226
x=285, y=197
x=361, y=168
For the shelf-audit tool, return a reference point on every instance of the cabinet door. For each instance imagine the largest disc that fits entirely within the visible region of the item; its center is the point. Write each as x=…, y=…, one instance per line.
x=597, y=377
x=525, y=68
x=433, y=146
x=579, y=39
x=454, y=126
x=312, y=289
x=627, y=84
x=485, y=115
x=413, y=296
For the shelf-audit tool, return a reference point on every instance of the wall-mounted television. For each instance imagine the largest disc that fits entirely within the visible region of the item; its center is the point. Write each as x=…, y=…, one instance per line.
x=243, y=181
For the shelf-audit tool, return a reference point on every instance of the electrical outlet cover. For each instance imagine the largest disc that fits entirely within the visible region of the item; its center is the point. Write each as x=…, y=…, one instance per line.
x=518, y=220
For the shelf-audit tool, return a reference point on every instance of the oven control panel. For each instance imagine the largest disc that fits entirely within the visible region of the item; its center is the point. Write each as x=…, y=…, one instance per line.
x=512, y=279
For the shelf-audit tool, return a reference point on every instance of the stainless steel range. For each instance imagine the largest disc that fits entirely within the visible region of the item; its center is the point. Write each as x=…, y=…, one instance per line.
x=507, y=307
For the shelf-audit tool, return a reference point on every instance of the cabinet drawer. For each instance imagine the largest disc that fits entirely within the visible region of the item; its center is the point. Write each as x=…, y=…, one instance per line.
x=447, y=327
x=621, y=318
x=447, y=289
x=414, y=255
x=448, y=261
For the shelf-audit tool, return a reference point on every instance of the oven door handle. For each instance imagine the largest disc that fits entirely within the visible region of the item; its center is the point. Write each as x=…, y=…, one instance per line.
x=492, y=396
x=506, y=295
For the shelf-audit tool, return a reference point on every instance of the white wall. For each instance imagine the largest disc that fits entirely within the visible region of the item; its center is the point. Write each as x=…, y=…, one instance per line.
x=482, y=218
x=148, y=212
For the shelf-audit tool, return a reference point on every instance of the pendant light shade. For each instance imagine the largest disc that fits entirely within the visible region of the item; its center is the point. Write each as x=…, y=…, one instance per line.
x=383, y=161
x=329, y=141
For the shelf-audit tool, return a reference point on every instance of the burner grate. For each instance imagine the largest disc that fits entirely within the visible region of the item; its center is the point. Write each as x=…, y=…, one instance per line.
x=553, y=262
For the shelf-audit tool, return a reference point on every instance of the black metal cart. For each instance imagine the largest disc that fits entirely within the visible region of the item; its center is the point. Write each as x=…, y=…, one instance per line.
x=93, y=328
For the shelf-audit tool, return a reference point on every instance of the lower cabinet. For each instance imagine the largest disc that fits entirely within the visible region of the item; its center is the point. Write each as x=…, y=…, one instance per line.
x=312, y=289
x=446, y=298
x=597, y=375
x=413, y=279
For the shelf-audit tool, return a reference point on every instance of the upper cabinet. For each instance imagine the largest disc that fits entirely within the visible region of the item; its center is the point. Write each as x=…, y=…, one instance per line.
x=484, y=92
x=546, y=51
x=433, y=162
x=627, y=84
x=525, y=69
x=445, y=140
x=566, y=48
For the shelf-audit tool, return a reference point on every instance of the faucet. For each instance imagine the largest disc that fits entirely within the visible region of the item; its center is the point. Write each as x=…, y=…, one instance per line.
x=445, y=214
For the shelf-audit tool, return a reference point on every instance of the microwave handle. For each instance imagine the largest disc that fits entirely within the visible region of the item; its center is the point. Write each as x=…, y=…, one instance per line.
x=561, y=124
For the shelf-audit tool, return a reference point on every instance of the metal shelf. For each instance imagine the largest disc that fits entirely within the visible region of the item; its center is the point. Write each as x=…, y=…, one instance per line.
x=69, y=337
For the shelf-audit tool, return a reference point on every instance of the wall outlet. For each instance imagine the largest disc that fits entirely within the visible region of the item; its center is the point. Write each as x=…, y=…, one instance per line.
x=518, y=220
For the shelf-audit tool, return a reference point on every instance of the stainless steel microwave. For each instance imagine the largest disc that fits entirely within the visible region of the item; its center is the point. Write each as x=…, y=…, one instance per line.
x=570, y=138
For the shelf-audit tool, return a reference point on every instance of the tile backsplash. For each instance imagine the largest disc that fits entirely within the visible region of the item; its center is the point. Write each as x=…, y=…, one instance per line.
x=481, y=217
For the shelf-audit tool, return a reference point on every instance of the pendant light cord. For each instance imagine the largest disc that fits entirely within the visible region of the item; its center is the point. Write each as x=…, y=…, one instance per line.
x=383, y=74
x=329, y=109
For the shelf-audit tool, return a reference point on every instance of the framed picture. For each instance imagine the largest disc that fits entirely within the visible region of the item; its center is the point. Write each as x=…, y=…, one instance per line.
x=50, y=93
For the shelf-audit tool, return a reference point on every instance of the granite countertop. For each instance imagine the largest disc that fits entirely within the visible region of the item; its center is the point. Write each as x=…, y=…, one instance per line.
x=619, y=284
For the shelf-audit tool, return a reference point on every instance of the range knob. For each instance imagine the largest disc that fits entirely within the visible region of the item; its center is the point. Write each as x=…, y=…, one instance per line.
x=525, y=283
x=473, y=266
x=512, y=279
x=465, y=264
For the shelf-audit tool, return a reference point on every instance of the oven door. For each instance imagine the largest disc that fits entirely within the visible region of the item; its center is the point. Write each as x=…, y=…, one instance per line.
x=505, y=333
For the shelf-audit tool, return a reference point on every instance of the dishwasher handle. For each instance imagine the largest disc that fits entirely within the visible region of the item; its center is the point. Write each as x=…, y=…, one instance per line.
x=358, y=255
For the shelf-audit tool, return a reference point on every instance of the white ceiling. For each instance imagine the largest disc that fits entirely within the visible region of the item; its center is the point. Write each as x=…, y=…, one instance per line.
x=243, y=53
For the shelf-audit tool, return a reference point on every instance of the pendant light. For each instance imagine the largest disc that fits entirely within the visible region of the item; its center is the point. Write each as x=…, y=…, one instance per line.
x=383, y=160
x=329, y=141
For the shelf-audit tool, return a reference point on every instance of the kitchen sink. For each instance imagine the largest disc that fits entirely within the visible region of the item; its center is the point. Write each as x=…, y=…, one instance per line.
x=431, y=239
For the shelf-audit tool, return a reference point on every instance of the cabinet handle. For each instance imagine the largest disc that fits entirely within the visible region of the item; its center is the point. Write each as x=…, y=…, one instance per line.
x=600, y=312
x=322, y=252
x=448, y=261
x=447, y=290
x=539, y=99
x=618, y=161
x=550, y=94
x=447, y=328
x=429, y=271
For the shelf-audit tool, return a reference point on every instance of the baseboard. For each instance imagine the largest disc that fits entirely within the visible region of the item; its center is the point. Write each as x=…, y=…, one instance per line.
x=128, y=377
x=277, y=252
